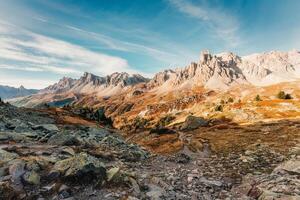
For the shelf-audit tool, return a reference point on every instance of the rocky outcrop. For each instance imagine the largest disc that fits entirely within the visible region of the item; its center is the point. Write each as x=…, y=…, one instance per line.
x=63, y=85
x=193, y=122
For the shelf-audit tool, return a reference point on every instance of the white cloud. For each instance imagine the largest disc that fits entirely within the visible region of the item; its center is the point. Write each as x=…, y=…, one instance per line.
x=26, y=82
x=224, y=25
x=48, y=54
x=31, y=69
x=115, y=44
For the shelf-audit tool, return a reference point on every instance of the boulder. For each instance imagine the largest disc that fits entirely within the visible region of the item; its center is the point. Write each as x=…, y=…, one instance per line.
x=192, y=122
x=16, y=170
x=32, y=178
x=290, y=166
x=112, y=173
x=81, y=167
x=7, y=156
x=63, y=139
x=46, y=127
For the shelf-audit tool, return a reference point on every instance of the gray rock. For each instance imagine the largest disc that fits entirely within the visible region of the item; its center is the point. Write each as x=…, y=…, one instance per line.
x=46, y=127
x=81, y=167
x=31, y=177
x=16, y=170
x=291, y=166
x=63, y=139
x=7, y=156
x=192, y=122
x=155, y=192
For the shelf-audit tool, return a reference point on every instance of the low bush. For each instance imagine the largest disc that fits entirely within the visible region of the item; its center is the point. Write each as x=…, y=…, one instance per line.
x=230, y=100
x=257, y=98
x=283, y=95
x=219, y=108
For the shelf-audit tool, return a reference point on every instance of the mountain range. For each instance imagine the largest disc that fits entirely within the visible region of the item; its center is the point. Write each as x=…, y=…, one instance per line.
x=218, y=72
x=7, y=92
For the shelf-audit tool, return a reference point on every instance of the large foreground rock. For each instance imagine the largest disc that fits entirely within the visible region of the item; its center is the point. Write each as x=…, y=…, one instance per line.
x=282, y=183
x=291, y=166
x=81, y=168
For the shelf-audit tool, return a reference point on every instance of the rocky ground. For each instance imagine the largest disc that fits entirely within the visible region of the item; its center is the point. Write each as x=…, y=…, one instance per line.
x=42, y=157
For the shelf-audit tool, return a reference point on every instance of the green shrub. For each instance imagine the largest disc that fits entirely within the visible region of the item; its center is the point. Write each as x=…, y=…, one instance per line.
x=222, y=101
x=230, y=100
x=140, y=123
x=283, y=95
x=257, y=98
x=164, y=121
x=288, y=96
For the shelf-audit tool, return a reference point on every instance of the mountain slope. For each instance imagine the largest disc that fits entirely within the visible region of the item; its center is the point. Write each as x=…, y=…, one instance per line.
x=7, y=92
x=271, y=67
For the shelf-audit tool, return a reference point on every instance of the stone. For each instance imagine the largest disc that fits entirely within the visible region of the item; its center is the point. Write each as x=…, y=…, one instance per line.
x=291, y=166
x=68, y=150
x=63, y=139
x=210, y=182
x=46, y=127
x=111, y=173
x=7, y=156
x=4, y=137
x=155, y=192
x=16, y=170
x=193, y=122
x=3, y=171
x=81, y=167
x=31, y=177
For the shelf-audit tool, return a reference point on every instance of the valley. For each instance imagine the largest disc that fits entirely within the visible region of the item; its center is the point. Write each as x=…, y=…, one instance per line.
x=216, y=129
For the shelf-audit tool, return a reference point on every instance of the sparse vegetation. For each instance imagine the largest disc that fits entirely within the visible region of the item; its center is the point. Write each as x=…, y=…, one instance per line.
x=288, y=96
x=257, y=98
x=222, y=102
x=283, y=95
x=139, y=123
x=219, y=108
x=164, y=121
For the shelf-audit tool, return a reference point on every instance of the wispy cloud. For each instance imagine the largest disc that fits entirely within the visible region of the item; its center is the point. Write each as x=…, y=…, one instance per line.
x=126, y=46
x=41, y=53
x=224, y=25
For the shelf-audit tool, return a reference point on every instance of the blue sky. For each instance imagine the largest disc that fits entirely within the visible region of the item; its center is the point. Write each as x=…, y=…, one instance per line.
x=44, y=40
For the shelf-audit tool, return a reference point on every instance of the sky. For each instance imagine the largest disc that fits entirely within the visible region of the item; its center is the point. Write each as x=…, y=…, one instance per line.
x=42, y=41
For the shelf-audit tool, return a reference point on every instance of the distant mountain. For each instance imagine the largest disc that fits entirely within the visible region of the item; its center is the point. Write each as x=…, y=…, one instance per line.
x=224, y=70
x=212, y=72
x=90, y=83
x=7, y=92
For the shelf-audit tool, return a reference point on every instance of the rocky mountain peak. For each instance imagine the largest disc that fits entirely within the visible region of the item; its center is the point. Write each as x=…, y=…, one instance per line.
x=205, y=56
x=22, y=87
x=89, y=77
x=124, y=79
